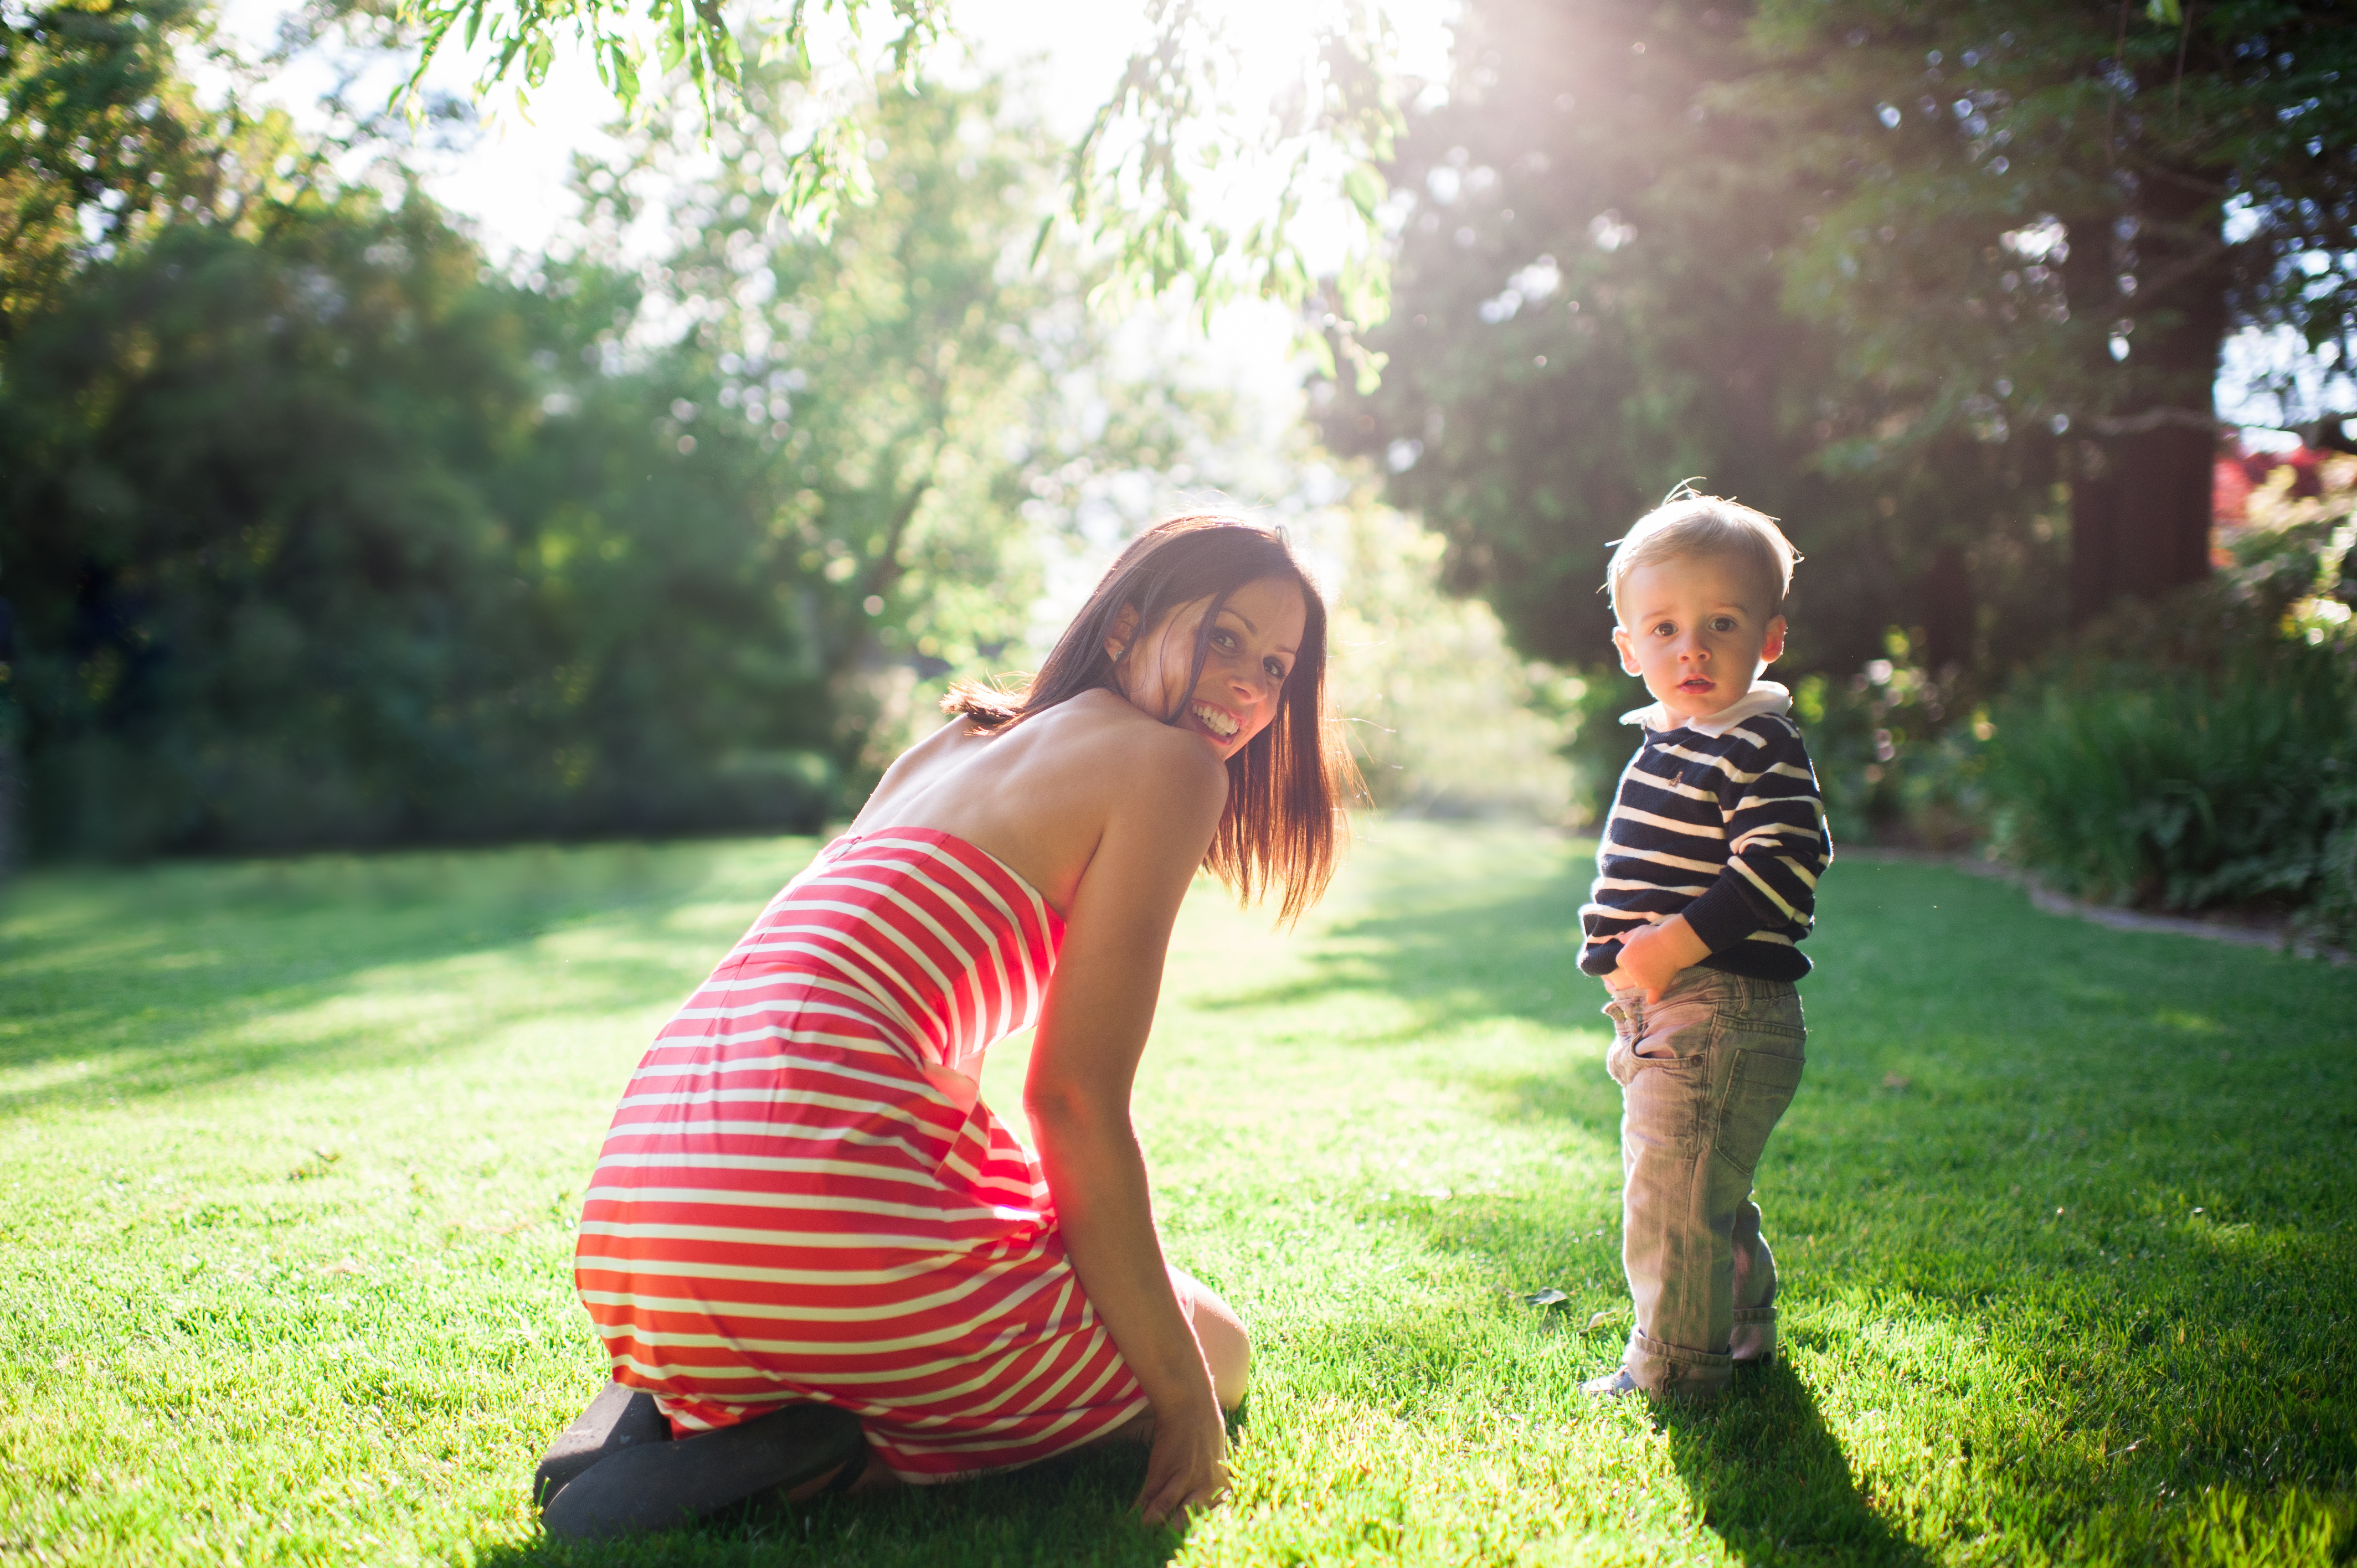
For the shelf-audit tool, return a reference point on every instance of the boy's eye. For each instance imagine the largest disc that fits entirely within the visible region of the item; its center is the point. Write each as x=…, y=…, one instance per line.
x=1723, y=623
x=1666, y=628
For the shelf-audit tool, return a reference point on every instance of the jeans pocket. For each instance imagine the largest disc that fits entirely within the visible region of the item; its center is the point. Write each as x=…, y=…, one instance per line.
x=1759, y=1087
x=1679, y=1031
x=1735, y=1024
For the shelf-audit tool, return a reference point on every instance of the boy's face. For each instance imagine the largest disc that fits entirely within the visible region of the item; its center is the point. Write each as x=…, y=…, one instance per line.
x=1697, y=628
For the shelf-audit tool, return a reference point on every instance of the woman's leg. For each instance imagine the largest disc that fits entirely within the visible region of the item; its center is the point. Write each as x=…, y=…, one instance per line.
x=1227, y=1347
x=1227, y=1351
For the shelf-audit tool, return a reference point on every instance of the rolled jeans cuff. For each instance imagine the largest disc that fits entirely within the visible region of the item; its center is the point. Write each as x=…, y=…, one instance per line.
x=1660, y=1368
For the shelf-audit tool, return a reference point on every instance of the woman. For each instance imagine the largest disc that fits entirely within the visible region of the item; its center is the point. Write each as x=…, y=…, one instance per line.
x=807, y=1237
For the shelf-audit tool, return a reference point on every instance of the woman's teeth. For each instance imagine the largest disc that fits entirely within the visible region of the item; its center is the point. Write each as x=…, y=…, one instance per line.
x=1218, y=723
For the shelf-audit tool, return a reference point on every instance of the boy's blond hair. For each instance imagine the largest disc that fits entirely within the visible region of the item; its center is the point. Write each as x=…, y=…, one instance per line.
x=1690, y=524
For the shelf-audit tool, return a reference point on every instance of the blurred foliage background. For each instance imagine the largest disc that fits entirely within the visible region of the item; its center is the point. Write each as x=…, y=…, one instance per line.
x=319, y=528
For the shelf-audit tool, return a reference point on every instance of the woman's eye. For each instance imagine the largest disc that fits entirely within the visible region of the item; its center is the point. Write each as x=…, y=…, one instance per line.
x=1225, y=641
x=1275, y=670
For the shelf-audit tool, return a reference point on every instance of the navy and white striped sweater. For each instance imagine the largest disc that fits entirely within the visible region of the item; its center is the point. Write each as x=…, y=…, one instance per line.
x=1718, y=820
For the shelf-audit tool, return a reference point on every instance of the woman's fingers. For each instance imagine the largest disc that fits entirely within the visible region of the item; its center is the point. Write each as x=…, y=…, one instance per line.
x=1172, y=1496
x=1168, y=1494
x=1154, y=1506
x=1175, y=1503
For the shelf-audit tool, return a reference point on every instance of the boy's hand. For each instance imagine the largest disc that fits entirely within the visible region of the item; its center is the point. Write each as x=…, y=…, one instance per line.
x=1657, y=954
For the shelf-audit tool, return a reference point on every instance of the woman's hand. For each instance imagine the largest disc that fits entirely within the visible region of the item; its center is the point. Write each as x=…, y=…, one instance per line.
x=1186, y=1468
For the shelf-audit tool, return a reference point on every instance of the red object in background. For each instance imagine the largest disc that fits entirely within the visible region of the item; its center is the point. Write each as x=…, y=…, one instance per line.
x=2230, y=493
x=2237, y=473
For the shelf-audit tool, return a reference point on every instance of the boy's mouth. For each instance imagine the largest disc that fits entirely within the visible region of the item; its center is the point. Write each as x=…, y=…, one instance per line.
x=1696, y=683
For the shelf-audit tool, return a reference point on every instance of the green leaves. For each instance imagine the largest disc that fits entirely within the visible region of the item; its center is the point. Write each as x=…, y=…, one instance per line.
x=101, y=126
x=384, y=548
x=1153, y=181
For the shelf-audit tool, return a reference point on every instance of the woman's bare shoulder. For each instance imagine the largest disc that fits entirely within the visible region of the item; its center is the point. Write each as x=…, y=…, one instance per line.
x=1148, y=766
x=952, y=730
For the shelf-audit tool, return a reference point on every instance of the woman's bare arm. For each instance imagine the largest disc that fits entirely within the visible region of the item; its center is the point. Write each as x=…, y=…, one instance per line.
x=1100, y=1008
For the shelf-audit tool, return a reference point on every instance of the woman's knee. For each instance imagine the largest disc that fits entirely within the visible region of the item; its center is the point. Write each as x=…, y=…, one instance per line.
x=1227, y=1347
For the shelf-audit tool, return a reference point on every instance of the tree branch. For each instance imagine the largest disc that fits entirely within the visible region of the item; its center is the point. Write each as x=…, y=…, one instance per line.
x=2153, y=419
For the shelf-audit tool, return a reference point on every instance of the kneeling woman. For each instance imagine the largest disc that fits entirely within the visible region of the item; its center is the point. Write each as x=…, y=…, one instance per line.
x=809, y=1245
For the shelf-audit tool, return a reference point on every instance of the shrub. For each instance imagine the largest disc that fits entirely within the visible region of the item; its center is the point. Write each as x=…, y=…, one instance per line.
x=2201, y=752
x=2177, y=787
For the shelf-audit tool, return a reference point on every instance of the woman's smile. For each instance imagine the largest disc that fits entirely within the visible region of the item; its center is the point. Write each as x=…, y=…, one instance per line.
x=1216, y=719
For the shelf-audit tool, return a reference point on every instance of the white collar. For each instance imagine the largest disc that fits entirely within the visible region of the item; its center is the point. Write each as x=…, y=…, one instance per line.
x=1765, y=697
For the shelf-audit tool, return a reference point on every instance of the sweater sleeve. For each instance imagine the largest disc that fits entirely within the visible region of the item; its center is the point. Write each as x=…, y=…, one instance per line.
x=1776, y=843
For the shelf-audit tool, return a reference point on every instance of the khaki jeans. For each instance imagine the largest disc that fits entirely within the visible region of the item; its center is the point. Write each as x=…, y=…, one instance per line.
x=1704, y=1075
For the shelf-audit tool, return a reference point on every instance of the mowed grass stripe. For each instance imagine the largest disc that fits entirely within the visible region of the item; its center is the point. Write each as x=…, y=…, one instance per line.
x=290, y=1153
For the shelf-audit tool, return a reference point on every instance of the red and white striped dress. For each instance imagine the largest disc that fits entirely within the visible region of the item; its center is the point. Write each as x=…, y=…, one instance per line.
x=801, y=1198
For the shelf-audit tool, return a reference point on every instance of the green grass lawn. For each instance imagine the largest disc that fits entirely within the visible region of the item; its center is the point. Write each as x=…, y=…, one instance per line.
x=290, y=1153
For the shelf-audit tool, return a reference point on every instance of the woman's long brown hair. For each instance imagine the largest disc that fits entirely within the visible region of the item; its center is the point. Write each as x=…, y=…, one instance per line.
x=1282, y=827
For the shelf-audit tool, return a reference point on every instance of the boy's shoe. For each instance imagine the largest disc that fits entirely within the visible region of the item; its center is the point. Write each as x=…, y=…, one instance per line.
x=1754, y=1344
x=1618, y=1384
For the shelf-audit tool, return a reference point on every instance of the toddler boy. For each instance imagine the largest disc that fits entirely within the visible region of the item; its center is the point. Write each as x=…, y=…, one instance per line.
x=1706, y=880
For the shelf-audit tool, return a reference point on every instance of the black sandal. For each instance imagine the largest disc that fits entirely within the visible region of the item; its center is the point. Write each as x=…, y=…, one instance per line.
x=647, y=1487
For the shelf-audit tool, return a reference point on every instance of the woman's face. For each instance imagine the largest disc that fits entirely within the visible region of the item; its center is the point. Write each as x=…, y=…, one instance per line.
x=1253, y=644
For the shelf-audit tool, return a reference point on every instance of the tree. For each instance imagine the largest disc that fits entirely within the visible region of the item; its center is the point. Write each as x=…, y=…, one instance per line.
x=312, y=544
x=324, y=534
x=100, y=138
x=898, y=382
x=1142, y=183
x=1644, y=240
x=2038, y=214
x=1588, y=282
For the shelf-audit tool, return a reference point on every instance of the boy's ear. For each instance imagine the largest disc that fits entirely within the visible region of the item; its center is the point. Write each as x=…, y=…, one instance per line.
x=1125, y=627
x=1773, y=648
x=1628, y=656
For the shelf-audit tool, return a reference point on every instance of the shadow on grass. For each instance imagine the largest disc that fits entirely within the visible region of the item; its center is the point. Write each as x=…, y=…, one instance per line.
x=1452, y=963
x=1074, y=1511
x=1770, y=1479
x=183, y=976
x=2067, y=1194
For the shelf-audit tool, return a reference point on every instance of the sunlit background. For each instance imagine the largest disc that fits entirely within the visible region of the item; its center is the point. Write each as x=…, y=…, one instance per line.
x=523, y=469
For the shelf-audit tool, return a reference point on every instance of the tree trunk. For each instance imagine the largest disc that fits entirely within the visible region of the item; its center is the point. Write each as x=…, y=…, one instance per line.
x=1948, y=612
x=2140, y=483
